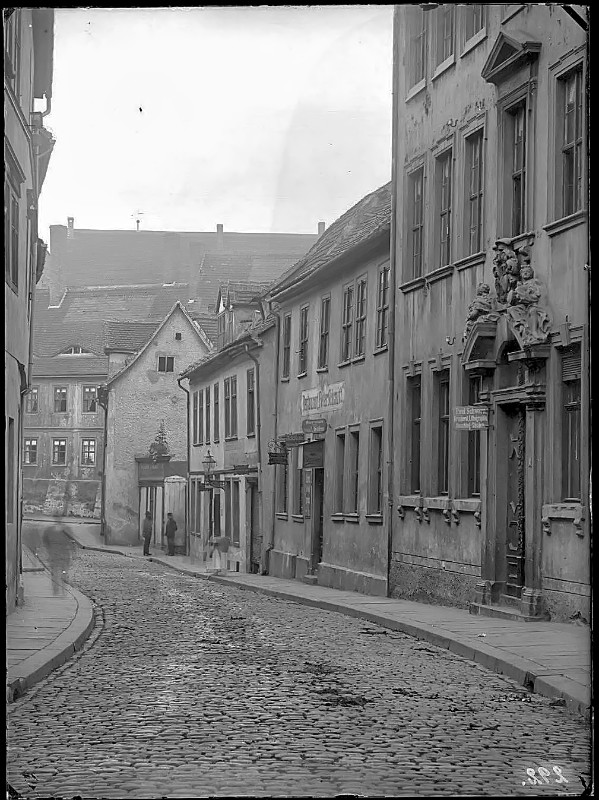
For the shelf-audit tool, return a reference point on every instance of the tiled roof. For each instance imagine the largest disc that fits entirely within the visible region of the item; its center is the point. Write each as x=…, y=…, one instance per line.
x=369, y=217
x=243, y=292
x=127, y=336
x=206, y=320
x=70, y=367
x=127, y=257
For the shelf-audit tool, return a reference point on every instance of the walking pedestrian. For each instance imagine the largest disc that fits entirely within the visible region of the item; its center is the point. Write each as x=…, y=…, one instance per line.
x=220, y=547
x=59, y=550
x=147, y=533
x=171, y=527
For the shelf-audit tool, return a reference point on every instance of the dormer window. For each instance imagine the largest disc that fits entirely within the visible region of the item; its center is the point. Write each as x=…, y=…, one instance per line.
x=73, y=350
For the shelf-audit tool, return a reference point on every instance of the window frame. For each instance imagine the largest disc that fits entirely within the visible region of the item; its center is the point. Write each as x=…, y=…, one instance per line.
x=207, y=414
x=473, y=38
x=216, y=412
x=416, y=48
x=30, y=444
x=416, y=267
x=444, y=207
x=474, y=387
x=166, y=360
x=360, y=317
x=55, y=443
x=194, y=417
x=85, y=403
x=340, y=459
x=11, y=232
x=251, y=402
x=286, y=347
x=32, y=393
x=282, y=488
x=64, y=395
x=442, y=381
x=477, y=196
x=374, y=505
x=573, y=145
x=324, y=336
x=200, y=416
x=414, y=451
x=230, y=392
x=352, y=495
x=303, y=340
x=297, y=474
x=347, y=322
x=441, y=58
x=92, y=450
x=571, y=418
x=382, y=307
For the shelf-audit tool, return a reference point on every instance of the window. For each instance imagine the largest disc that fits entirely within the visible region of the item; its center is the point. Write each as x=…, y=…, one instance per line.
x=474, y=389
x=474, y=20
x=474, y=193
x=361, y=301
x=12, y=49
x=282, y=488
x=414, y=404
x=340, y=471
x=375, y=471
x=60, y=399
x=286, y=346
x=230, y=407
x=216, y=413
x=166, y=364
x=232, y=513
x=416, y=223
x=442, y=381
x=347, y=323
x=443, y=169
x=11, y=236
x=59, y=451
x=73, y=350
x=323, y=348
x=251, y=403
x=445, y=16
x=194, y=420
x=298, y=483
x=303, y=341
x=382, y=307
x=88, y=452
x=90, y=399
x=32, y=400
x=517, y=130
x=10, y=466
x=417, y=45
x=30, y=451
x=354, y=472
x=207, y=431
x=570, y=103
x=201, y=416
x=571, y=418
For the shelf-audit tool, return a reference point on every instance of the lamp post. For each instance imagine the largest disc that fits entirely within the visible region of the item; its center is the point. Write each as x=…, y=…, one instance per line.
x=209, y=463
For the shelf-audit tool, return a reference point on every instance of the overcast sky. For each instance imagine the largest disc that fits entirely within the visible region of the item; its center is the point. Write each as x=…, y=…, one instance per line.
x=262, y=119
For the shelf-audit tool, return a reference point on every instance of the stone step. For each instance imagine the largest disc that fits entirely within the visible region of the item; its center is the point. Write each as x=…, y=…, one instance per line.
x=503, y=612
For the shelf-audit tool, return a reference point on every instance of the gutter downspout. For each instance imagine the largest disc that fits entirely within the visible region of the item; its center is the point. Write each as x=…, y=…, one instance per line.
x=258, y=443
x=188, y=496
x=271, y=541
x=104, y=405
x=393, y=303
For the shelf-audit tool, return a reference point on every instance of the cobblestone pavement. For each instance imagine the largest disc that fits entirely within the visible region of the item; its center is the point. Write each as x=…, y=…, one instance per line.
x=190, y=689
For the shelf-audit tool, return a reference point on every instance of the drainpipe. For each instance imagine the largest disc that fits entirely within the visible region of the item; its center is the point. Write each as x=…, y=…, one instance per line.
x=104, y=403
x=392, y=307
x=188, y=497
x=258, y=436
x=271, y=542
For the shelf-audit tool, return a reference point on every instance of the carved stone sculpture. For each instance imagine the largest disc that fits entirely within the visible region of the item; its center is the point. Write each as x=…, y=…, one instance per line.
x=529, y=322
x=480, y=307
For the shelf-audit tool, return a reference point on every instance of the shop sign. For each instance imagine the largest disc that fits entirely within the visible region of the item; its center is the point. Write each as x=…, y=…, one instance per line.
x=307, y=492
x=314, y=455
x=292, y=439
x=471, y=418
x=314, y=425
x=329, y=397
x=150, y=470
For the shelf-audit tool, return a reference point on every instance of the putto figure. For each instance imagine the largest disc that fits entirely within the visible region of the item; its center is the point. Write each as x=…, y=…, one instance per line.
x=529, y=322
x=481, y=306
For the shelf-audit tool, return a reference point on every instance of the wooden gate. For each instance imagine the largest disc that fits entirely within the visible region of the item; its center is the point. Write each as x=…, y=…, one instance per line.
x=175, y=501
x=151, y=499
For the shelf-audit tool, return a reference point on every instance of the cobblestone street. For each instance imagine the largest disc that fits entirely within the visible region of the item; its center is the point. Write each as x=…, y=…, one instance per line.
x=188, y=689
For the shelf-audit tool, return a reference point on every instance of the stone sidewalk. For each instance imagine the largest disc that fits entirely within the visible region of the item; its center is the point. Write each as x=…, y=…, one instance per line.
x=550, y=658
x=43, y=633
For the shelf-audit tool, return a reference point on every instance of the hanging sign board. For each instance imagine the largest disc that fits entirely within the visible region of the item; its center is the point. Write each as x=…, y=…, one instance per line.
x=314, y=454
x=314, y=425
x=307, y=493
x=292, y=439
x=471, y=418
x=278, y=457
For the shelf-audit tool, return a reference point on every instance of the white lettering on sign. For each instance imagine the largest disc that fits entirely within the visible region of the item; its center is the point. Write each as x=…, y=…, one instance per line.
x=323, y=398
x=471, y=417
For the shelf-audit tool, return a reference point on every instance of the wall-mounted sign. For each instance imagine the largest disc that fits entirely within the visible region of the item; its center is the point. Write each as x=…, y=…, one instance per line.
x=314, y=425
x=471, y=418
x=323, y=398
x=314, y=454
x=292, y=439
x=277, y=458
x=307, y=493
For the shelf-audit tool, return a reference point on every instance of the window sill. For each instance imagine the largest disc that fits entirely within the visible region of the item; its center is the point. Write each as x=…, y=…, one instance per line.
x=379, y=350
x=439, y=273
x=473, y=42
x=338, y=517
x=322, y=369
x=416, y=89
x=301, y=375
x=216, y=441
x=297, y=517
x=231, y=438
x=358, y=359
x=285, y=380
x=374, y=519
x=444, y=66
x=467, y=504
x=353, y=518
x=198, y=444
x=282, y=515
x=565, y=223
x=342, y=364
x=564, y=510
x=250, y=435
x=475, y=260
x=30, y=465
x=412, y=285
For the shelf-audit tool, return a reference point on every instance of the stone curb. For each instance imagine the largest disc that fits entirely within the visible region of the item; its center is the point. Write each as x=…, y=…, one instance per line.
x=33, y=669
x=525, y=672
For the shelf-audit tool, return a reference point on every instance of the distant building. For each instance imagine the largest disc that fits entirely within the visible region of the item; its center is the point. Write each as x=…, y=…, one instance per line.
x=331, y=515
x=491, y=459
x=28, y=57
x=145, y=405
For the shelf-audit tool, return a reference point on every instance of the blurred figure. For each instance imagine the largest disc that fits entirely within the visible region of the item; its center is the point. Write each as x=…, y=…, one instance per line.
x=171, y=527
x=147, y=533
x=59, y=549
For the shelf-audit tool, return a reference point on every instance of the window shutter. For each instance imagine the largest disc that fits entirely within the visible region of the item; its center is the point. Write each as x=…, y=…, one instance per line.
x=571, y=369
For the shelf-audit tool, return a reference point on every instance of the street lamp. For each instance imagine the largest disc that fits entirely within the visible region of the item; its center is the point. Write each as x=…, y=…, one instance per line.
x=209, y=463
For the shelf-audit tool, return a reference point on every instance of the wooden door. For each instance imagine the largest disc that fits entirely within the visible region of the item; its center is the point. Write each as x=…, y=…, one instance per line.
x=515, y=527
x=318, y=514
x=255, y=532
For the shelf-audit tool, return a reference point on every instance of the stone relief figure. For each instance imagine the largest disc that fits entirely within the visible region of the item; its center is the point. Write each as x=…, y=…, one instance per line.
x=479, y=308
x=529, y=322
x=507, y=264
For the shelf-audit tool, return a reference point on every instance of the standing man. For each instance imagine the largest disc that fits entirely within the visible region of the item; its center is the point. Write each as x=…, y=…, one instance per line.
x=147, y=533
x=171, y=527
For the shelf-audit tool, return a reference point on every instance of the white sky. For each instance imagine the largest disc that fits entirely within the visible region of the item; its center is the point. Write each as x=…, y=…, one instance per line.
x=263, y=119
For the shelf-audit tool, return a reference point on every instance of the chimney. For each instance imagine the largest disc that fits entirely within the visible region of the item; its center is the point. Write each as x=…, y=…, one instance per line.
x=321, y=227
x=219, y=237
x=70, y=227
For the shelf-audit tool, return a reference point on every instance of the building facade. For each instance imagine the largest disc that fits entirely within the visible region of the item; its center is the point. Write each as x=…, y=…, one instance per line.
x=230, y=426
x=490, y=247
x=63, y=437
x=331, y=509
x=146, y=407
x=28, y=52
